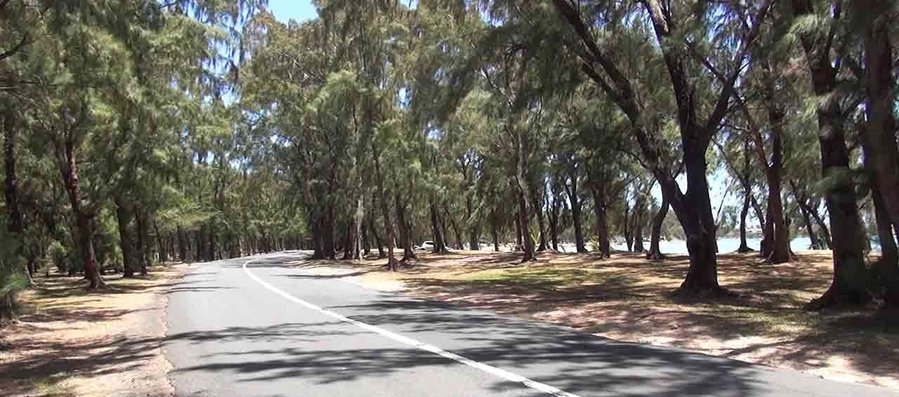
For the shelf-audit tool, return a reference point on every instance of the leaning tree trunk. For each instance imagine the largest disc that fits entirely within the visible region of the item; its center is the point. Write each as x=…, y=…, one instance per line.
x=437, y=230
x=455, y=228
x=655, y=252
x=814, y=243
x=83, y=231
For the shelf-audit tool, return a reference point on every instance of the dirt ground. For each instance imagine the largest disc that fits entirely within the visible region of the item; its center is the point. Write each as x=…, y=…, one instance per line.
x=71, y=342
x=629, y=298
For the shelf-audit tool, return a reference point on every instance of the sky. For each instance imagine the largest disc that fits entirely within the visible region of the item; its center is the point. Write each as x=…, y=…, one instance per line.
x=299, y=10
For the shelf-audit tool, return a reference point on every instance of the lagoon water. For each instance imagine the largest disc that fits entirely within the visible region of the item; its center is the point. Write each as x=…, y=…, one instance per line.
x=725, y=245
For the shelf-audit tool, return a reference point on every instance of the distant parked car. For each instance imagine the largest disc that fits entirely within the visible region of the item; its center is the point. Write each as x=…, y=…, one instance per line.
x=426, y=246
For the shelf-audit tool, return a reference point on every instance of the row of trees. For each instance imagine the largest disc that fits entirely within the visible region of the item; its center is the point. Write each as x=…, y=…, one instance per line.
x=140, y=131
x=120, y=144
x=467, y=121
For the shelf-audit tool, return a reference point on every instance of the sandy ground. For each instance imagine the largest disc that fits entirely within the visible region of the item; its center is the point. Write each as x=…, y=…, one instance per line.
x=71, y=342
x=629, y=298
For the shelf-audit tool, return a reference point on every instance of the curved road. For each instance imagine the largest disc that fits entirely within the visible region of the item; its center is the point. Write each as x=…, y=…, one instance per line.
x=254, y=327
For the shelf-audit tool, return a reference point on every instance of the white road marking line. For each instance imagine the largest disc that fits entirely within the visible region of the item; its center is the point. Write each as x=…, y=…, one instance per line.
x=512, y=377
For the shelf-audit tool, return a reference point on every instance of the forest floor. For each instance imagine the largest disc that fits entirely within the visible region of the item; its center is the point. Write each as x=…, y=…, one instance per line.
x=628, y=298
x=72, y=342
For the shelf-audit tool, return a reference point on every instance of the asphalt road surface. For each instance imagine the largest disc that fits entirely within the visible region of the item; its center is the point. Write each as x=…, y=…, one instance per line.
x=254, y=327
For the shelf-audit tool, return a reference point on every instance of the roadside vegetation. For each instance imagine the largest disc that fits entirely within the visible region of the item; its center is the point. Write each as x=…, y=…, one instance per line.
x=142, y=132
x=627, y=298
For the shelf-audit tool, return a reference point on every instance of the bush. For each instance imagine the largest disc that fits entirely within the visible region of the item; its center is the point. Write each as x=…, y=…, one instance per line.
x=593, y=244
x=12, y=275
x=59, y=255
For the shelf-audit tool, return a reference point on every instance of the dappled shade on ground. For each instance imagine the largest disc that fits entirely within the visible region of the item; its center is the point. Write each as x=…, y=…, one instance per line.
x=629, y=298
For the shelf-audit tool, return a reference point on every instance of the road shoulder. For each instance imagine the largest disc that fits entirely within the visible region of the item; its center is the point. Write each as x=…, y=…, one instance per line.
x=71, y=342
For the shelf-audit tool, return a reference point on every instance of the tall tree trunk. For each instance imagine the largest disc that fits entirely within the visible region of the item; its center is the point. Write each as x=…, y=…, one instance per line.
x=812, y=236
x=405, y=234
x=143, y=243
x=16, y=222
x=627, y=224
x=524, y=210
x=519, y=236
x=182, y=246
x=379, y=243
x=366, y=244
x=889, y=254
x=160, y=242
x=349, y=244
x=849, y=272
x=779, y=250
x=576, y=213
x=880, y=135
x=554, y=222
x=494, y=229
x=437, y=230
x=695, y=216
x=537, y=205
x=83, y=220
x=327, y=234
x=744, y=246
x=638, y=225
x=126, y=242
x=455, y=226
x=655, y=252
x=602, y=222
x=385, y=210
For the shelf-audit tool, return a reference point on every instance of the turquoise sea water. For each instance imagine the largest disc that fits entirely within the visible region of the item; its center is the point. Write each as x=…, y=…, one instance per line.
x=725, y=245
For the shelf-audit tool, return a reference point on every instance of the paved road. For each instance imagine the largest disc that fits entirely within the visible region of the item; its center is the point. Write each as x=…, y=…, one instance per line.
x=263, y=329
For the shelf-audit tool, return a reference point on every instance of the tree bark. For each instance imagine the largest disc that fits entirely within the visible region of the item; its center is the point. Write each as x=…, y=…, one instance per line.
x=655, y=252
x=126, y=242
x=537, y=205
x=602, y=222
x=494, y=229
x=744, y=246
x=455, y=226
x=385, y=209
x=638, y=225
x=849, y=272
x=15, y=219
x=554, y=222
x=880, y=135
x=524, y=215
x=576, y=211
x=779, y=251
x=627, y=225
x=83, y=220
x=143, y=243
x=437, y=230
x=405, y=234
